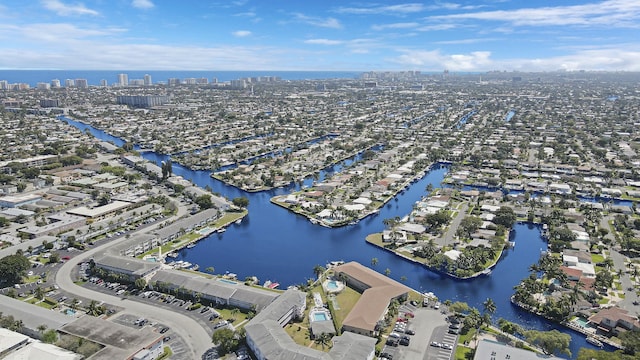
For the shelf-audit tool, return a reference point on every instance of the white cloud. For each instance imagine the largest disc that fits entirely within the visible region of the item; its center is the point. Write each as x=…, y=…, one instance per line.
x=603, y=59
x=323, y=42
x=404, y=25
x=142, y=4
x=241, y=33
x=437, y=27
x=53, y=33
x=65, y=10
x=465, y=41
x=316, y=21
x=615, y=13
x=399, y=9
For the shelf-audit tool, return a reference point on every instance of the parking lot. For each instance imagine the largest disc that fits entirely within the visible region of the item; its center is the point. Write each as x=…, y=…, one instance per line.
x=429, y=325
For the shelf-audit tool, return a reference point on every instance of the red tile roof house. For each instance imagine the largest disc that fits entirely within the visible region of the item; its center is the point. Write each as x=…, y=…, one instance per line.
x=378, y=291
x=614, y=320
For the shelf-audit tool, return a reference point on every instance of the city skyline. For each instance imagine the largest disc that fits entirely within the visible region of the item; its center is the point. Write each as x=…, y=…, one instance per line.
x=462, y=36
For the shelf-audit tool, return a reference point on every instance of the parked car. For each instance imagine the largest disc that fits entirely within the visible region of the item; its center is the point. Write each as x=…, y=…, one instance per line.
x=386, y=355
x=404, y=341
x=392, y=342
x=409, y=332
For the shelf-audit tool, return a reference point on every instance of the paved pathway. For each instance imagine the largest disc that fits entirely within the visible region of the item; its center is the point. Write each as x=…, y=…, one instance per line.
x=630, y=295
x=447, y=238
x=198, y=339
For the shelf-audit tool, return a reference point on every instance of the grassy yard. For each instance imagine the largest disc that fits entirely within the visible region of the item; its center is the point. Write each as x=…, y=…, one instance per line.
x=597, y=258
x=346, y=300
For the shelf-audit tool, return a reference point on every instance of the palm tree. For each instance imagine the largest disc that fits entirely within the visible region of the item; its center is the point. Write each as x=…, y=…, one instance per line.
x=41, y=328
x=374, y=261
x=323, y=339
x=210, y=269
x=318, y=270
x=489, y=307
x=387, y=271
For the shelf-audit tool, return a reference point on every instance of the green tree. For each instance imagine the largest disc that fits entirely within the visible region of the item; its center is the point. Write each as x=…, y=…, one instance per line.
x=50, y=336
x=505, y=216
x=551, y=342
x=204, y=201
x=241, y=202
x=631, y=341
x=13, y=268
x=469, y=225
x=489, y=307
x=54, y=258
x=459, y=307
x=318, y=270
x=226, y=340
x=323, y=339
x=210, y=269
x=374, y=261
x=167, y=169
x=140, y=283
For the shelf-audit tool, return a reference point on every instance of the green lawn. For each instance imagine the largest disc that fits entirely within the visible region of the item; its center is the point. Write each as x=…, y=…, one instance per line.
x=597, y=258
x=346, y=300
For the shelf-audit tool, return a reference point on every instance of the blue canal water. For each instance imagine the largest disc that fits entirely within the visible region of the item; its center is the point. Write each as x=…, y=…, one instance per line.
x=275, y=244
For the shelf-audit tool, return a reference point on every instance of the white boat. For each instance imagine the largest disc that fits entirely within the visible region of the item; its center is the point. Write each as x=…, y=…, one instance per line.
x=191, y=245
x=221, y=230
x=239, y=221
x=594, y=341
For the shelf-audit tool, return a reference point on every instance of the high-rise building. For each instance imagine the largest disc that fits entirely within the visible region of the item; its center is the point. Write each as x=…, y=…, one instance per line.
x=190, y=81
x=69, y=83
x=104, y=83
x=136, y=82
x=147, y=80
x=82, y=83
x=4, y=85
x=142, y=101
x=123, y=79
x=174, y=81
x=55, y=83
x=43, y=86
x=47, y=103
x=202, y=81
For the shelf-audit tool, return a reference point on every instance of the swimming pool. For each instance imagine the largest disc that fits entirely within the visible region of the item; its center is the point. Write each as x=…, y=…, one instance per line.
x=228, y=281
x=332, y=285
x=319, y=316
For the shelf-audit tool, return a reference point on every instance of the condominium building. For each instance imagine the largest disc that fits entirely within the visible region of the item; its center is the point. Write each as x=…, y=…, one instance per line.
x=123, y=79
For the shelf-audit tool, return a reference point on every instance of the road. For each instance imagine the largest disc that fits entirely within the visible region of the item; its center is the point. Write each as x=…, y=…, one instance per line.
x=198, y=339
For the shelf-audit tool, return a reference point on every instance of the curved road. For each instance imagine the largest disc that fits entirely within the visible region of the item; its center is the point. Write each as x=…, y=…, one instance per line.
x=193, y=333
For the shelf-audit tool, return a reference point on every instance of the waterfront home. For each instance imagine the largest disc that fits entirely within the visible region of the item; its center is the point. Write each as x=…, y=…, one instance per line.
x=488, y=349
x=614, y=320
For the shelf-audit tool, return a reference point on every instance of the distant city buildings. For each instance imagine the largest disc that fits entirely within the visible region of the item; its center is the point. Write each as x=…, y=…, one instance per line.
x=43, y=86
x=47, y=103
x=104, y=83
x=69, y=83
x=142, y=101
x=147, y=80
x=82, y=83
x=55, y=84
x=123, y=79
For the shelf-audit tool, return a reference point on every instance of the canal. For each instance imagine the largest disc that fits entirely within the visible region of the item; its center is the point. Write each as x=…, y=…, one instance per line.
x=277, y=245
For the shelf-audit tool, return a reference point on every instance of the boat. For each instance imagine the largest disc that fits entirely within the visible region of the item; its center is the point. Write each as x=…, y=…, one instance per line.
x=239, y=221
x=221, y=230
x=270, y=284
x=594, y=341
x=172, y=255
x=191, y=245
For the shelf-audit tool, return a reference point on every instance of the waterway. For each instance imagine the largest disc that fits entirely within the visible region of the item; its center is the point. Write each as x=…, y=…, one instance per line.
x=275, y=244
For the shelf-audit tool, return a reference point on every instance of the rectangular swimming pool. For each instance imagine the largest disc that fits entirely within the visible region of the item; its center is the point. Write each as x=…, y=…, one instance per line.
x=319, y=316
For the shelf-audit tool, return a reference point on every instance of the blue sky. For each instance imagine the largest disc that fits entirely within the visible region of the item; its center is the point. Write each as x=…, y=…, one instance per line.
x=465, y=35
